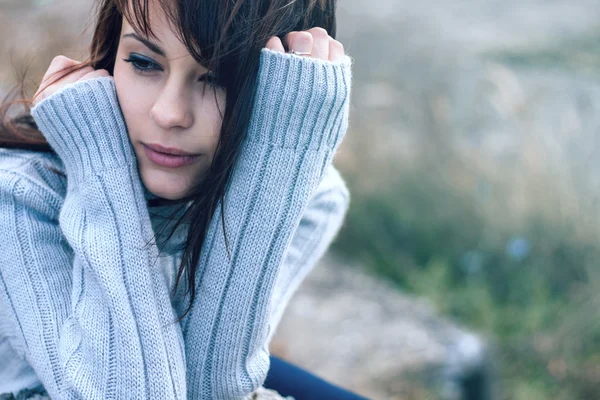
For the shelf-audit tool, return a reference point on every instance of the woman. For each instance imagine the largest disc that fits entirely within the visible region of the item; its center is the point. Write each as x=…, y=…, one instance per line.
x=181, y=111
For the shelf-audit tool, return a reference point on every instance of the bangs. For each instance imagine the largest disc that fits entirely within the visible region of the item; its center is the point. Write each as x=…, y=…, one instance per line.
x=194, y=22
x=225, y=36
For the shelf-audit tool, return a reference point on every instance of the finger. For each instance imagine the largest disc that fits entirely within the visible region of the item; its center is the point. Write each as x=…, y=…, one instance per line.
x=50, y=84
x=95, y=74
x=286, y=40
x=320, y=47
x=58, y=64
x=336, y=50
x=67, y=77
x=301, y=42
x=77, y=75
x=275, y=44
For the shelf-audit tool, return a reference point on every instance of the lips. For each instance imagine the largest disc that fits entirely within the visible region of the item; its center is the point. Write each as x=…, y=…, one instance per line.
x=168, y=150
x=168, y=160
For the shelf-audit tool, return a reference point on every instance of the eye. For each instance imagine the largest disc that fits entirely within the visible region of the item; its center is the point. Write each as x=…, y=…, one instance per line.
x=142, y=64
x=209, y=78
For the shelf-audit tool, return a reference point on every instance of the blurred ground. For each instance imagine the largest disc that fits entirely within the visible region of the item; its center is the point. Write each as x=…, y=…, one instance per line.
x=473, y=167
x=363, y=334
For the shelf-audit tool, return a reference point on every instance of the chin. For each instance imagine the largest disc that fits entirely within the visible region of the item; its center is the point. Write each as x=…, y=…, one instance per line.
x=166, y=195
x=167, y=189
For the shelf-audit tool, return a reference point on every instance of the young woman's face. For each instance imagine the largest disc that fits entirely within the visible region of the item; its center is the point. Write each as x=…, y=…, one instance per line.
x=161, y=91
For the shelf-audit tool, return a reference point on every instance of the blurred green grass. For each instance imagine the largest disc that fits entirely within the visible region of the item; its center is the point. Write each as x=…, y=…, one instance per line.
x=532, y=286
x=474, y=184
x=579, y=55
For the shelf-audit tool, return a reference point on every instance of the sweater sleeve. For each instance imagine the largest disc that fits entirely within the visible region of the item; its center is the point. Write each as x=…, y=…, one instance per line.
x=318, y=227
x=299, y=119
x=115, y=338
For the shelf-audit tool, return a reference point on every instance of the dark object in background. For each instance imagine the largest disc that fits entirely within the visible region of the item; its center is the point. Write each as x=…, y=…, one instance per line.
x=37, y=393
x=290, y=380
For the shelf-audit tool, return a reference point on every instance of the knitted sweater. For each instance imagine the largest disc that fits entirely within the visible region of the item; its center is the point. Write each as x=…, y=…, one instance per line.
x=84, y=307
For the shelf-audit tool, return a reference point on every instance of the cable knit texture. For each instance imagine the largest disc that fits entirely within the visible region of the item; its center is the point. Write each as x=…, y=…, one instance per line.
x=86, y=311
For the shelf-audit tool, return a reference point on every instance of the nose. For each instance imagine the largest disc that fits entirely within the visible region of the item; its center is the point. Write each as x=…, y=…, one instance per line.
x=173, y=108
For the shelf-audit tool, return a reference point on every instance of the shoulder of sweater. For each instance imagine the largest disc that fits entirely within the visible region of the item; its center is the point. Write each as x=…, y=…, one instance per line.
x=38, y=172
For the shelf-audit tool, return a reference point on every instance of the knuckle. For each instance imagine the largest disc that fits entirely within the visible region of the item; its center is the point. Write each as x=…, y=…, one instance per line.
x=304, y=36
x=61, y=60
x=337, y=45
x=273, y=41
x=318, y=31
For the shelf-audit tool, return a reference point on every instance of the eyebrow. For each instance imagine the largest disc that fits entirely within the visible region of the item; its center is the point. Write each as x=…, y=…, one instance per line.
x=152, y=46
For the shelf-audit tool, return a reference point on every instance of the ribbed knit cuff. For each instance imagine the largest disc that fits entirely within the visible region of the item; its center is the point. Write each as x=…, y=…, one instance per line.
x=84, y=124
x=300, y=101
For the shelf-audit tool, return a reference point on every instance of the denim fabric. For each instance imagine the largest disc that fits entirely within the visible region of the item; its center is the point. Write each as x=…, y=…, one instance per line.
x=291, y=380
x=37, y=393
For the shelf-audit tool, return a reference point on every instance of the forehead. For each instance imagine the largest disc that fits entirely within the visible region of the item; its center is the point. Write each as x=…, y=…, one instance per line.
x=169, y=25
x=162, y=33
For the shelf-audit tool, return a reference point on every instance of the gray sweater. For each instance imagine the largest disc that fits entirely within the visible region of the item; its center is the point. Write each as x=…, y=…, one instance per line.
x=84, y=308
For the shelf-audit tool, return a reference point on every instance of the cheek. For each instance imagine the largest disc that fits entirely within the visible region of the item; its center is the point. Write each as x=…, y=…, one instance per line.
x=211, y=113
x=209, y=116
x=134, y=97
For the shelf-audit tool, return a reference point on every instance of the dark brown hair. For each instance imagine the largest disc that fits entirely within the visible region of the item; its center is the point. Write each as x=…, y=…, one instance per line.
x=226, y=36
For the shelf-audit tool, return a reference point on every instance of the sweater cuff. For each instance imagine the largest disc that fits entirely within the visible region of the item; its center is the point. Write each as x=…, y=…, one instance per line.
x=84, y=125
x=300, y=101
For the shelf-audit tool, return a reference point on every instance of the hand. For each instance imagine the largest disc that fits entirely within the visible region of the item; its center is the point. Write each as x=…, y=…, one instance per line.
x=61, y=65
x=315, y=41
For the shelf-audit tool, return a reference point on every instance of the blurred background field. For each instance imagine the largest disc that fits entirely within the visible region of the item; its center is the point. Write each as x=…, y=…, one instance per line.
x=473, y=163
